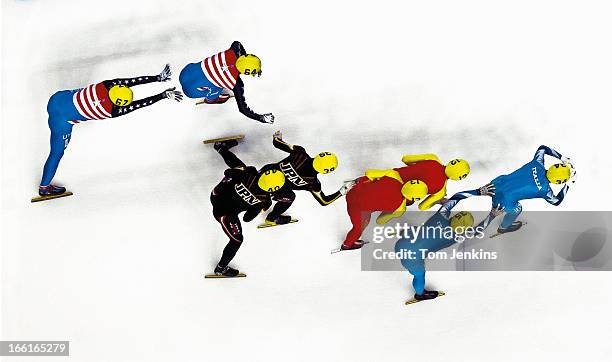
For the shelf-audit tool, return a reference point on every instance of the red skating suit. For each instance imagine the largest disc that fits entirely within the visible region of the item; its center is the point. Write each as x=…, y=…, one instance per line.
x=385, y=194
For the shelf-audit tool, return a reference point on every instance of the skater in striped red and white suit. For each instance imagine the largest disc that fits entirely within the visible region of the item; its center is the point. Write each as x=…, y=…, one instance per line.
x=215, y=78
x=107, y=99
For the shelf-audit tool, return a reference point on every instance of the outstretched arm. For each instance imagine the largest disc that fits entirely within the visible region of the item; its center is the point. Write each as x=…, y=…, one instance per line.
x=164, y=76
x=408, y=159
x=142, y=103
x=445, y=210
x=325, y=200
x=558, y=198
x=432, y=199
x=278, y=142
x=242, y=105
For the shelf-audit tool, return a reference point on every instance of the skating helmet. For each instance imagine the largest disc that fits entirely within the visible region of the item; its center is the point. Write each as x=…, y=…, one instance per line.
x=325, y=162
x=271, y=180
x=457, y=169
x=120, y=95
x=249, y=65
x=461, y=220
x=414, y=190
x=558, y=173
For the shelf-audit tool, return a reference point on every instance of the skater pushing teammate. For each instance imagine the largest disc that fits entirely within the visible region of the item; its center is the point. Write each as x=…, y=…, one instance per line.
x=215, y=78
x=531, y=181
x=391, y=191
x=243, y=189
x=301, y=171
x=107, y=99
x=447, y=227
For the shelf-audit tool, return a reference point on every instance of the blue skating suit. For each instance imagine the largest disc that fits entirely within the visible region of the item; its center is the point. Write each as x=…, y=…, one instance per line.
x=528, y=182
x=432, y=242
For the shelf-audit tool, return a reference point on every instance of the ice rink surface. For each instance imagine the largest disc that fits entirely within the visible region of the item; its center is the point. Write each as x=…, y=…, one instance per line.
x=117, y=268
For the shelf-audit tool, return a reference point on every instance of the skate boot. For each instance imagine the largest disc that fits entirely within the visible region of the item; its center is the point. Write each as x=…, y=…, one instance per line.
x=226, y=272
x=356, y=245
x=280, y=220
x=427, y=294
x=514, y=227
x=51, y=190
x=225, y=145
x=223, y=97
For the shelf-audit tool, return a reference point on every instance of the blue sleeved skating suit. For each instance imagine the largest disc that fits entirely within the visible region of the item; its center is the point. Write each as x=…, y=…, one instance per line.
x=528, y=182
x=433, y=241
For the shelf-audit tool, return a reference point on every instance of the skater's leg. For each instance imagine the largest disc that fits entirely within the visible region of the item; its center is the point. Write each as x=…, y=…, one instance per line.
x=418, y=281
x=230, y=158
x=360, y=220
x=232, y=228
x=61, y=132
x=283, y=202
x=512, y=212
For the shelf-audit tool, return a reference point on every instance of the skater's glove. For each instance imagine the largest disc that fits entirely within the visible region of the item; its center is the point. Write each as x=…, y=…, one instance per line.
x=497, y=210
x=487, y=190
x=568, y=161
x=165, y=74
x=267, y=118
x=348, y=185
x=172, y=93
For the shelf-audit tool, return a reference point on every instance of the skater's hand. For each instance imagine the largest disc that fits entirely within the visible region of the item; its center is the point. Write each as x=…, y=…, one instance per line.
x=497, y=210
x=348, y=185
x=165, y=74
x=267, y=118
x=442, y=201
x=278, y=134
x=172, y=93
x=487, y=190
x=568, y=161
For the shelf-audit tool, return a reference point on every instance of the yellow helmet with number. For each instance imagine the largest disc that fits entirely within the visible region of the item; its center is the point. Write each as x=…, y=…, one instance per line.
x=249, y=65
x=457, y=169
x=558, y=173
x=414, y=190
x=462, y=220
x=121, y=95
x=325, y=162
x=271, y=180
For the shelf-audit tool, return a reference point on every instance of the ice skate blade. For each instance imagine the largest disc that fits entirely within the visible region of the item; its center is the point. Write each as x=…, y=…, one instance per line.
x=268, y=224
x=51, y=197
x=412, y=301
x=215, y=276
x=213, y=140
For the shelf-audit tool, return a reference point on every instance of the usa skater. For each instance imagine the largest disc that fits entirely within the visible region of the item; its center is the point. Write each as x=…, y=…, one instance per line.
x=107, y=99
x=214, y=78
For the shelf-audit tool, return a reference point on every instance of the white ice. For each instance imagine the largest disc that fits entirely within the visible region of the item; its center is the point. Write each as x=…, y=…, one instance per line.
x=117, y=268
